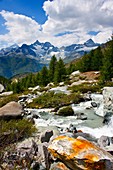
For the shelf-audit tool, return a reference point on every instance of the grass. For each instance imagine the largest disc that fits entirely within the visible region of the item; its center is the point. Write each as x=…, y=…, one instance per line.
x=15, y=130
x=84, y=88
x=51, y=100
x=6, y=99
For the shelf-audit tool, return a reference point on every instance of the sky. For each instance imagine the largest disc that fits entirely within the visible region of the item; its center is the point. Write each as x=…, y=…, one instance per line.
x=61, y=22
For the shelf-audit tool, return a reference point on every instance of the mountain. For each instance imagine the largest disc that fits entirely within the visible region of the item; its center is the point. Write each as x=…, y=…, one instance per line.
x=31, y=58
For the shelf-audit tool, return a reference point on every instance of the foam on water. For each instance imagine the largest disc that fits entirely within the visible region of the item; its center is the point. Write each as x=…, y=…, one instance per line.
x=61, y=122
x=106, y=130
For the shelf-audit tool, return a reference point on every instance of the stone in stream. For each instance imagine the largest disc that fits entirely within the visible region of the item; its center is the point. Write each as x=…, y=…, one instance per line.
x=80, y=154
x=108, y=99
x=46, y=135
x=104, y=141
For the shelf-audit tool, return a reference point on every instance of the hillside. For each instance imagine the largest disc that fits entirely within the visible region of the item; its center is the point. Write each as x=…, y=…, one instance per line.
x=31, y=58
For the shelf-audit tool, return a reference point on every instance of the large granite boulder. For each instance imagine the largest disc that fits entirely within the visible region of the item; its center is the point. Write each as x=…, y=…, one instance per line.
x=11, y=110
x=80, y=154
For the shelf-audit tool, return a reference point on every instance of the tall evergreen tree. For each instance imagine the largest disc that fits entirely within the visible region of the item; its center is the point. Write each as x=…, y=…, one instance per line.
x=44, y=79
x=60, y=71
x=52, y=67
x=107, y=68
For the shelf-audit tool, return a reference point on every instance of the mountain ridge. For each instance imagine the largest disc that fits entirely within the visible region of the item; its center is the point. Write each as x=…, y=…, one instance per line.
x=15, y=60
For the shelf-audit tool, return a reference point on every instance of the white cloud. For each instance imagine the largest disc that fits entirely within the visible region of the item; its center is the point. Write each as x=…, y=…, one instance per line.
x=21, y=29
x=78, y=17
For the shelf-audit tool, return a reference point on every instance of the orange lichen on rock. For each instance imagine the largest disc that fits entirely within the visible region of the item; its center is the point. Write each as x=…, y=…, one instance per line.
x=74, y=149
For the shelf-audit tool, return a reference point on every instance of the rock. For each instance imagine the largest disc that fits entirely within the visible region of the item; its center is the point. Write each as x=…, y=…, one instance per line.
x=58, y=166
x=94, y=104
x=104, y=141
x=80, y=154
x=34, y=88
x=65, y=111
x=1, y=88
x=6, y=93
x=81, y=116
x=107, y=117
x=108, y=99
x=11, y=110
x=75, y=73
x=61, y=84
x=46, y=135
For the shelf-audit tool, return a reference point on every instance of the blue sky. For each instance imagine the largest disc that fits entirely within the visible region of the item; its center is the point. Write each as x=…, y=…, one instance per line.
x=31, y=8
x=61, y=22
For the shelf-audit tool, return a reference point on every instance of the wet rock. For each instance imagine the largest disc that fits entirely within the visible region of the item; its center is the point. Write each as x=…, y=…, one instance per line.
x=79, y=154
x=81, y=116
x=58, y=166
x=104, y=141
x=108, y=99
x=94, y=104
x=46, y=135
x=107, y=117
x=12, y=110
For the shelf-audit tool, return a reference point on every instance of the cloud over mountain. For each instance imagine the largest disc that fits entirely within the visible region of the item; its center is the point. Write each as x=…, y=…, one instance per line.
x=67, y=22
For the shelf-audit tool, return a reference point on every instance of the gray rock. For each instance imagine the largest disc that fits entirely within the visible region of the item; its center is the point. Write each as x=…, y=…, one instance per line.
x=94, y=104
x=108, y=99
x=104, y=141
x=1, y=88
x=58, y=166
x=46, y=135
x=11, y=110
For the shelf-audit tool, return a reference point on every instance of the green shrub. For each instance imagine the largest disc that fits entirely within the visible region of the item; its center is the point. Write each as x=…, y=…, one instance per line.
x=84, y=88
x=6, y=99
x=15, y=130
x=65, y=111
x=51, y=100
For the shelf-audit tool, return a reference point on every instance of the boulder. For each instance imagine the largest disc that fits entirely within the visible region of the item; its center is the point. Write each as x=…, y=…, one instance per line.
x=81, y=116
x=65, y=111
x=46, y=135
x=104, y=141
x=80, y=154
x=108, y=99
x=1, y=88
x=58, y=166
x=6, y=93
x=11, y=110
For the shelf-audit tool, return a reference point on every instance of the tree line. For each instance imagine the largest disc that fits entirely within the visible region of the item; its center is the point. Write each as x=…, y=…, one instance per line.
x=100, y=59
x=56, y=72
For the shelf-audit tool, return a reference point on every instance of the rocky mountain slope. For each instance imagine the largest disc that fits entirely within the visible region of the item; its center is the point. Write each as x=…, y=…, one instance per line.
x=31, y=58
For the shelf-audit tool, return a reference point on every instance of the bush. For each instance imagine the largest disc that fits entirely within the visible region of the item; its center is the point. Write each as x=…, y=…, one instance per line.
x=51, y=100
x=65, y=111
x=84, y=88
x=6, y=99
x=15, y=130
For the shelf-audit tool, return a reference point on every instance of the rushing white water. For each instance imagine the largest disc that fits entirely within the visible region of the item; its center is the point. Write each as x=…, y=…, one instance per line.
x=98, y=98
x=93, y=125
x=106, y=130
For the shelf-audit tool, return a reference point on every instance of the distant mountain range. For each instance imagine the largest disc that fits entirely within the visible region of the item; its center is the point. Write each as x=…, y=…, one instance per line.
x=31, y=58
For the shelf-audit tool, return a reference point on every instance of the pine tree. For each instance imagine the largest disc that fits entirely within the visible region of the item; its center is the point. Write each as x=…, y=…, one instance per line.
x=52, y=67
x=44, y=79
x=60, y=71
x=107, y=68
